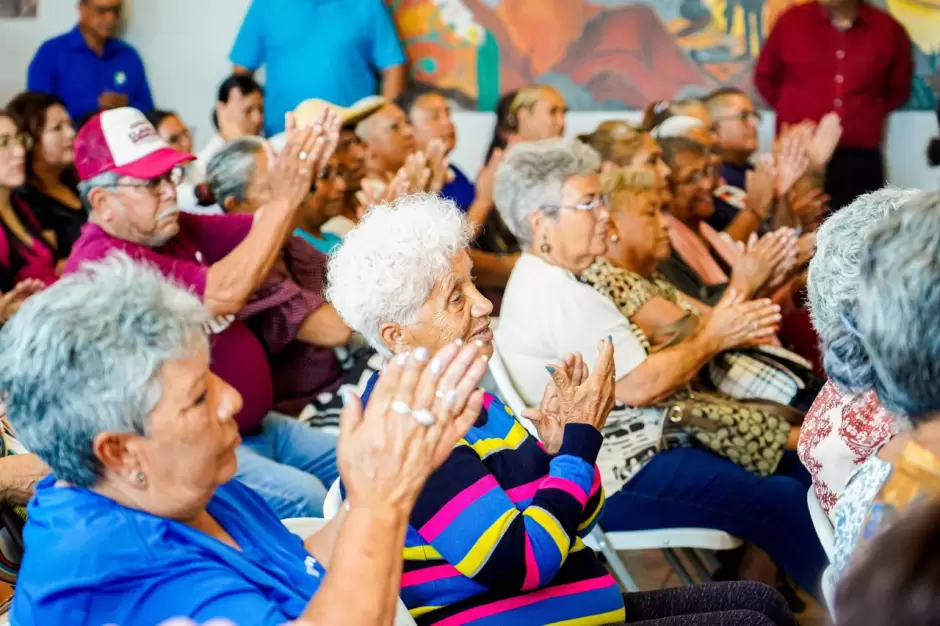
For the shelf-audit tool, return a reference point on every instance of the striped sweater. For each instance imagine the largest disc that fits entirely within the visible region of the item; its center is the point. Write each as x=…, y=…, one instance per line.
x=495, y=537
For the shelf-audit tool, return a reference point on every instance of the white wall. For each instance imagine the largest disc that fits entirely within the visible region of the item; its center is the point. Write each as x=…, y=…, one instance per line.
x=185, y=45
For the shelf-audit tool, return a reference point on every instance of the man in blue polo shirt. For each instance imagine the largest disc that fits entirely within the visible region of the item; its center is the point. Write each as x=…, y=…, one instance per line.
x=335, y=50
x=88, y=67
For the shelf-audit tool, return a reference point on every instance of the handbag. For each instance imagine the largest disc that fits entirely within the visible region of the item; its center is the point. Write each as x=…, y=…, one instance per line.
x=766, y=372
x=750, y=433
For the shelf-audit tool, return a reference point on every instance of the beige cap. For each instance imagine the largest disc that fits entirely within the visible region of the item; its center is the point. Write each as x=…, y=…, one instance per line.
x=308, y=110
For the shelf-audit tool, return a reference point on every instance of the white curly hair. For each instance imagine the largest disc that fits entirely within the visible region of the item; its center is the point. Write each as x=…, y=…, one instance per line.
x=388, y=265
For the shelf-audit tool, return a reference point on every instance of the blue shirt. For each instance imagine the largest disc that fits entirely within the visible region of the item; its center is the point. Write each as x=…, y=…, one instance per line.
x=725, y=212
x=66, y=67
x=94, y=561
x=326, y=245
x=461, y=190
x=329, y=49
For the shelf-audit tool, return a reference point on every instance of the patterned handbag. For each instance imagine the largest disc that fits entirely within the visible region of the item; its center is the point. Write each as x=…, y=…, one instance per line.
x=751, y=433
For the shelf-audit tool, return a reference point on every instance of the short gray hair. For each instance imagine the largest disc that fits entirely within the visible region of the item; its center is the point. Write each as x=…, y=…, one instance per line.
x=896, y=314
x=532, y=175
x=387, y=266
x=107, y=179
x=84, y=356
x=230, y=170
x=833, y=280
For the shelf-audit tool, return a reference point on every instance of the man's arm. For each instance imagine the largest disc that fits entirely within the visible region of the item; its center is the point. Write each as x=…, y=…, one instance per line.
x=19, y=474
x=248, y=50
x=900, y=71
x=393, y=81
x=142, y=99
x=42, y=75
x=768, y=73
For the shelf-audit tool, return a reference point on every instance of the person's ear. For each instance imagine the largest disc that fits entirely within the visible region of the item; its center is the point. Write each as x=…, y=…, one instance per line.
x=230, y=204
x=115, y=451
x=100, y=200
x=392, y=336
x=607, y=167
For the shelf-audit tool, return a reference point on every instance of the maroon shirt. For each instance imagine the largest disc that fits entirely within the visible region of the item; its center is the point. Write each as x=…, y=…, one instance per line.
x=292, y=292
x=808, y=67
x=236, y=354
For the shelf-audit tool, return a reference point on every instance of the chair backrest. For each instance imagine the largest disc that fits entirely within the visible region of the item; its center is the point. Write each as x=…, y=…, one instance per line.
x=821, y=523
x=333, y=500
x=507, y=389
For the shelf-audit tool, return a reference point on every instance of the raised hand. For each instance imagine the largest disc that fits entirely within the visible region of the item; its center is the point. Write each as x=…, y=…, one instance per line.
x=547, y=418
x=809, y=205
x=418, y=411
x=733, y=322
x=824, y=141
x=760, y=186
x=590, y=400
x=792, y=158
x=438, y=166
x=754, y=269
x=484, y=187
x=11, y=301
x=306, y=152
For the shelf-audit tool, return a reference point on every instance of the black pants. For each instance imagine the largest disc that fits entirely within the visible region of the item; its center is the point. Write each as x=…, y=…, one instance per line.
x=851, y=173
x=740, y=603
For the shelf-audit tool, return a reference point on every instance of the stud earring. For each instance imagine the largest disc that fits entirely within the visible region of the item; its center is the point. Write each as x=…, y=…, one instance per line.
x=545, y=248
x=140, y=477
x=614, y=237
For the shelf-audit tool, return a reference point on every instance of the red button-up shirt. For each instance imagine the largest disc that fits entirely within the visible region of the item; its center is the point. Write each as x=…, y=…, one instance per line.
x=808, y=67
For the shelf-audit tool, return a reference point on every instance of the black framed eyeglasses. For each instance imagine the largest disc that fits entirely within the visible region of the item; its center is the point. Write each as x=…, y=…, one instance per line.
x=742, y=116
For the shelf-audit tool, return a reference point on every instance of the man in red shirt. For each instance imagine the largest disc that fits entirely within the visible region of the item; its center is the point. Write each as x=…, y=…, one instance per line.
x=127, y=172
x=847, y=57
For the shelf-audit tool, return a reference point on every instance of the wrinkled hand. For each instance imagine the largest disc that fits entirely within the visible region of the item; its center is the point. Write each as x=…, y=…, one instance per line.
x=809, y=205
x=733, y=322
x=792, y=157
x=306, y=152
x=754, y=269
x=805, y=249
x=112, y=100
x=437, y=165
x=376, y=192
x=824, y=141
x=11, y=301
x=760, y=186
x=385, y=456
x=547, y=418
x=590, y=401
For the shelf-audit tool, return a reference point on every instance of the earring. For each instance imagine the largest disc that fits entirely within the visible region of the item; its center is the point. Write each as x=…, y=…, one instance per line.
x=141, y=478
x=614, y=237
x=545, y=248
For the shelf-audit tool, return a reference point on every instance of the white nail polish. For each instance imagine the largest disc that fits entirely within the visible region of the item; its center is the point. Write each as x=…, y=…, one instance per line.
x=402, y=358
x=421, y=354
x=435, y=365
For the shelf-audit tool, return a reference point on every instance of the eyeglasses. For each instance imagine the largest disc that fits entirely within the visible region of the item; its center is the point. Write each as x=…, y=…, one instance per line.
x=329, y=172
x=115, y=10
x=10, y=141
x=174, y=177
x=742, y=116
x=597, y=202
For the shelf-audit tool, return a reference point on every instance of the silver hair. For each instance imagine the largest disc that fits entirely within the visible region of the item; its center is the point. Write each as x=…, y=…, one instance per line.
x=896, y=313
x=107, y=179
x=834, y=280
x=532, y=175
x=84, y=356
x=388, y=265
x=230, y=170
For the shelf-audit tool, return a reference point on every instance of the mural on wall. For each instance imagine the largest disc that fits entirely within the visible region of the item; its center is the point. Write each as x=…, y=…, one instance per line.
x=18, y=8
x=613, y=54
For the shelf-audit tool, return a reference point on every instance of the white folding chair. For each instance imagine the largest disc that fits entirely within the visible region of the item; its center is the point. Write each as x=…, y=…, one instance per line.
x=609, y=543
x=303, y=527
x=333, y=500
x=826, y=534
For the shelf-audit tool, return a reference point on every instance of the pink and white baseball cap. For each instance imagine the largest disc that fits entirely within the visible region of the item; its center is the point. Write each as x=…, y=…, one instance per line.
x=123, y=141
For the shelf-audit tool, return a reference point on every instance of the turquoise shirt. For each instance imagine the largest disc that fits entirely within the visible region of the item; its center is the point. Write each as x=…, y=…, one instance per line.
x=326, y=245
x=329, y=49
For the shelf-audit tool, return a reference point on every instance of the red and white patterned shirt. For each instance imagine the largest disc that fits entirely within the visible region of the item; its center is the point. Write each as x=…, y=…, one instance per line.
x=840, y=433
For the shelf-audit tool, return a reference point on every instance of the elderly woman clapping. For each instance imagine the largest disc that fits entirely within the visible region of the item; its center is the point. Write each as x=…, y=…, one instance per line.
x=107, y=379
x=550, y=196
x=497, y=530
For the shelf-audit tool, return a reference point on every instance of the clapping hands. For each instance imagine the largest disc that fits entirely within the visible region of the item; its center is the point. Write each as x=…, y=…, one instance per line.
x=575, y=395
x=306, y=152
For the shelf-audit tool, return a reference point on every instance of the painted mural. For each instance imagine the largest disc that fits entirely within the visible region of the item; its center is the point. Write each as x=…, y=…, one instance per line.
x=614, y=54
x=18, y=8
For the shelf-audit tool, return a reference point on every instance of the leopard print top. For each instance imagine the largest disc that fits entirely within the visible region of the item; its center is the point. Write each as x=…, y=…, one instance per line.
x=630, y=292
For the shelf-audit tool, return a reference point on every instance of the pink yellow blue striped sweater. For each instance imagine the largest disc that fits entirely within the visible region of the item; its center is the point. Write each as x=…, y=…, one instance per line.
x=495, y=537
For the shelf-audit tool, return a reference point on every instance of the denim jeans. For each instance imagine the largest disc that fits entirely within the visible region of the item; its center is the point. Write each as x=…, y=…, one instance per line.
x=288, y=464
x=694, y=487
